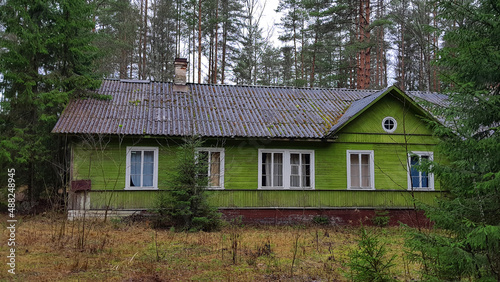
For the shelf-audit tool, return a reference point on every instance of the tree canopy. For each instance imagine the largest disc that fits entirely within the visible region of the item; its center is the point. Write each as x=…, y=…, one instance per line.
x=47, y=56
x=471, y=212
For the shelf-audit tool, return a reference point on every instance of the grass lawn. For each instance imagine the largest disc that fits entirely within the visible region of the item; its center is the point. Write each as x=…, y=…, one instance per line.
x=48, y=248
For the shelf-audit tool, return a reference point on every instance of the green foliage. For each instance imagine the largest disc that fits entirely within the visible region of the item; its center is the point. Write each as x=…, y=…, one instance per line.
x=46, y=58
x=381, y=218
x=187, y=207
x=321, y=220
x=369, y=262
x=470, y=214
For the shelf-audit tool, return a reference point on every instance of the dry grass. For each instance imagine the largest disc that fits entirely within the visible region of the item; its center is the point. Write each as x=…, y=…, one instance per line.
x=48, y=248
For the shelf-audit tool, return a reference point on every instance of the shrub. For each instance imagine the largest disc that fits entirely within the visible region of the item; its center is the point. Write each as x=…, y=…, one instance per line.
x=321, y=220
x=381, y=218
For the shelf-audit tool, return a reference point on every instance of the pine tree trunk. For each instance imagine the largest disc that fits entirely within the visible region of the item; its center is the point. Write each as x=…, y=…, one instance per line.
x=199, y=41
x=145, y=39
x=216, y=41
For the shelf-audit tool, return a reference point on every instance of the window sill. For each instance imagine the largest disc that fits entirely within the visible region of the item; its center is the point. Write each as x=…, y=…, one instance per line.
x=214, y=188
x=420, y=189
x=285, y=188
x=140, y=188
x=360, y=189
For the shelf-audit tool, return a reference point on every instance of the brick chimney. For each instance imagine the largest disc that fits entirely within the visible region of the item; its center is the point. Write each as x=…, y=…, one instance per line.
x=180, y=65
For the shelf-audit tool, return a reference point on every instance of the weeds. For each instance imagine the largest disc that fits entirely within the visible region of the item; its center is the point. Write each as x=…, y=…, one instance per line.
x=130, y=251
x=381, y=218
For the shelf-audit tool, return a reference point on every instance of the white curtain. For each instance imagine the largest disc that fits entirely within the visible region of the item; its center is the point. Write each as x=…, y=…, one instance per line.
x=148, y=168
x=215, y=169
x=278, y=170
x=135, y=168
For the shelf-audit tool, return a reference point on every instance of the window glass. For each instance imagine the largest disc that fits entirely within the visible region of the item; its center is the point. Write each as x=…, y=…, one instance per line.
x=389, y=124
x=212, y=159
x=135, y=168
x=306, y=170
x=278, y=169
x=148, y=167
x=295, y=170
x=286, y=169
x=266, y=169
x=214, y=169
x=141, y=167
x=365, y=170
x=419, y=179
x=360, y=169
x=355, y=170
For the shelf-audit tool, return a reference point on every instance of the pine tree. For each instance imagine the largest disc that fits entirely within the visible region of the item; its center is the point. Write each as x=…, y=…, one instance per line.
x=117, y=24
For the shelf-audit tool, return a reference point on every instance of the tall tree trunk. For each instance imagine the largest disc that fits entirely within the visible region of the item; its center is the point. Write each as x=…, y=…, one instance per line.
x=199, y=41
x=139, y=71
x=145, y=40
x=194, y=42
x=224, y=44
x=402, y=50
x=364, y=38
x=295, y=41
x=216, y=41
x=313, y=64
x=302, y=71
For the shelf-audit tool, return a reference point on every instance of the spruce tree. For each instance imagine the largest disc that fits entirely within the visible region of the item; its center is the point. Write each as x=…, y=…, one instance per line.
x=470, y=213
x=46, y=58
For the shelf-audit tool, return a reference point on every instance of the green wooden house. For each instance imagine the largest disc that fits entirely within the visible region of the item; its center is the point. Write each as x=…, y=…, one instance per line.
x=275, y=153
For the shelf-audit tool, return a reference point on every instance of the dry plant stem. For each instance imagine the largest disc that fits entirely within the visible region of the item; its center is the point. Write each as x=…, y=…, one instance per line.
x=295, y=249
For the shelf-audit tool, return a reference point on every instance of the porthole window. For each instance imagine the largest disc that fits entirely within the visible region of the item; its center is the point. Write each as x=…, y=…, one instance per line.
x=389, y=124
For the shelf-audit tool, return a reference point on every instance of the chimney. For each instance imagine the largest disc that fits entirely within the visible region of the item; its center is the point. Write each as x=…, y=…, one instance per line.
x=180, y=65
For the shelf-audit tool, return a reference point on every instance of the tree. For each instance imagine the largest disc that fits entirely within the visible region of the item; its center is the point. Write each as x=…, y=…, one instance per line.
x=117, y=24
x=187, y=207
x=415, y=32
x=47, y=57
x=248, y=57
x=163, y=40
x=470, y=214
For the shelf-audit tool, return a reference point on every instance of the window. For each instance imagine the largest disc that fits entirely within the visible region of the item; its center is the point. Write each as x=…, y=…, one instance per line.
x=389, y=124
x=286, y=169
x=419, y=179
x=214, y=159
x=142, y=168
x=360, y=171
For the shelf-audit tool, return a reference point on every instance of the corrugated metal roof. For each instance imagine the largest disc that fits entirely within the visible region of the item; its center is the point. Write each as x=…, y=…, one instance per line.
x=141, y=108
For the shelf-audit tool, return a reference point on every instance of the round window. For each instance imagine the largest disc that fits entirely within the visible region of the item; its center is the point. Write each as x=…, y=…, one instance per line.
x=389, y=124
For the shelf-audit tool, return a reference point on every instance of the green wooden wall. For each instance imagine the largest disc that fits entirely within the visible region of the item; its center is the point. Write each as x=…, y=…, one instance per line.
x=104, y=163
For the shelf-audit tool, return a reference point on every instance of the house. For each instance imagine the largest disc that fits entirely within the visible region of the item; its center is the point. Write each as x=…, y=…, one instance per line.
x=275, y=153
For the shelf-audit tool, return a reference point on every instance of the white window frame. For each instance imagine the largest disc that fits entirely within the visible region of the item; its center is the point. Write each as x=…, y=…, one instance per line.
x=222, y=161
x=128, y=166
x=372, y=169
x=286, y=169
x=430, y=176
x=389, y=130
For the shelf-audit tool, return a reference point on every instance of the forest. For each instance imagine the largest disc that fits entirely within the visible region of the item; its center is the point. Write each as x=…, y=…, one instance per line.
x=345, y=43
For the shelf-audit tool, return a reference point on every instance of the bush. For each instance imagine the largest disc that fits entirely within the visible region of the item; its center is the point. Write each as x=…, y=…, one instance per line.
x=321, y=220
x=381, y=218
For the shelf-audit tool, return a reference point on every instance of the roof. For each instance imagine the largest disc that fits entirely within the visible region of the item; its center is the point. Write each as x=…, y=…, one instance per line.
x=153, y=108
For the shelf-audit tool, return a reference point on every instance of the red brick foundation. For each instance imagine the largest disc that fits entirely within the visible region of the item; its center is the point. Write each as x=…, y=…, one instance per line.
x=335, y=216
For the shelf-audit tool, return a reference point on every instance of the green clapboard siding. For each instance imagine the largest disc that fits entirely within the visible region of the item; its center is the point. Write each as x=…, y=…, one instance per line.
x=271, y=198
x=105, y=165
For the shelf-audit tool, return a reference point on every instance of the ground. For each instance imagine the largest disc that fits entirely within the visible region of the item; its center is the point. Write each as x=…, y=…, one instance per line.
x=49, y=248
